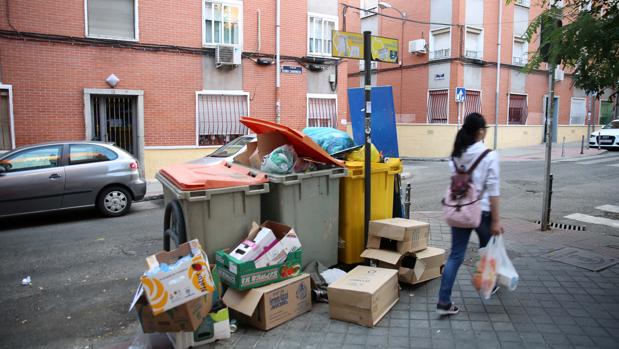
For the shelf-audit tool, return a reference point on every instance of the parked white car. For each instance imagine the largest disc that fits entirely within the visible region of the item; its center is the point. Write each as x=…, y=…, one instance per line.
x=607, y=137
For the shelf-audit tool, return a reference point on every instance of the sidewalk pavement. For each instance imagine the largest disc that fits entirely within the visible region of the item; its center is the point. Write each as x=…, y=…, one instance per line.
x=538, y=152
x=154, y=190
x=556, y=305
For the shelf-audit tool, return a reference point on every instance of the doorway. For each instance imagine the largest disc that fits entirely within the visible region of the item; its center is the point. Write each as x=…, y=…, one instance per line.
x=114, y=119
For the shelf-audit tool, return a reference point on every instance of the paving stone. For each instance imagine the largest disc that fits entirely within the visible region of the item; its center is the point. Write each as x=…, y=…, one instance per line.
x=418, y=315
x=442, y=343
x=355, y=339
x=461, y=325
x=399, y=323
x=555, y=338
x=508, y=336
x=440, y=323
x=420, y=343
x=532, y=337
x=398, y=341
x=503, y=326
x=334, y=338
x=580, y=340
x=398, y=331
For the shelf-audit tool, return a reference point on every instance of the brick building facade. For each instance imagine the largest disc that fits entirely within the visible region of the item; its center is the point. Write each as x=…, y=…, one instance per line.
x=452, y=43
x=176, y=97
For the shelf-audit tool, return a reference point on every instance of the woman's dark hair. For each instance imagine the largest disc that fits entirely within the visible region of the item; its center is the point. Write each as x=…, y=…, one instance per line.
x=467, y=134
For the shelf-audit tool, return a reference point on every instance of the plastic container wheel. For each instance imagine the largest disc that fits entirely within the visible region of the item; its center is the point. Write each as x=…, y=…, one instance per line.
x=114, y=201
x=173, y=225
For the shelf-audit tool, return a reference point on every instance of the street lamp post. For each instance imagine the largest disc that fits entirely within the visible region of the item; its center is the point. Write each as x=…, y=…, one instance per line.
x=385, y=5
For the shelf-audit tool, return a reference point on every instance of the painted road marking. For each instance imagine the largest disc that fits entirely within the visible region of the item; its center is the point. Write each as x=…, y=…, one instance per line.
x=608, y=208
x=614, y=165
x=599, y=161
x=593, y=220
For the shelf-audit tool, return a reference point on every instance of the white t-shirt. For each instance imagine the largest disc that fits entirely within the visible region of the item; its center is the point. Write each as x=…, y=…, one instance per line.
x=486, y=175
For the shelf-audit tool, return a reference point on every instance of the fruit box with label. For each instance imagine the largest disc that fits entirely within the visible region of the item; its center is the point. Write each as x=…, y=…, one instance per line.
x=185, y=317
x=176, y=277
x=269, y=306
x=246, y=275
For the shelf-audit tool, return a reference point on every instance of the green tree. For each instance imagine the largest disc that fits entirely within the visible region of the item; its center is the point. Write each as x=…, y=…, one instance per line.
x=587, y=43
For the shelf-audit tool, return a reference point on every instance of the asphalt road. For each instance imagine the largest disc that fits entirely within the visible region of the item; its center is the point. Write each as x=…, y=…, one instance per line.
x=85, y=268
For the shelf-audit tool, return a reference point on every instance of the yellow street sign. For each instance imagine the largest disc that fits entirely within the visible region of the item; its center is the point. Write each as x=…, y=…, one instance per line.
x=350, y=45
x=346, y=45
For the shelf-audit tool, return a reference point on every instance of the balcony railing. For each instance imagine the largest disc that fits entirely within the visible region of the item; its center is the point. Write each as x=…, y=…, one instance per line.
x=522, y=61
x=440, y=54
x=472, y=54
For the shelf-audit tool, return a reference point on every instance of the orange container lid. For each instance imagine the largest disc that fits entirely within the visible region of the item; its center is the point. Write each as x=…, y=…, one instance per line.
x=188, y=177
x=303, y=144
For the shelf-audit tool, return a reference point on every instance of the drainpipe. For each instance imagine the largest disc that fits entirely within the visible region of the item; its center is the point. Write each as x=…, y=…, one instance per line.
x=277, y=62
x=498, y=77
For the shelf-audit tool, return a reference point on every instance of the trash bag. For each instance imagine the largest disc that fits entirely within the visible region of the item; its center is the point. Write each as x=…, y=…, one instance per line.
x=330, y=139
x=280, y=161
x=508, y=276
x=485, y=274
x=359, y=155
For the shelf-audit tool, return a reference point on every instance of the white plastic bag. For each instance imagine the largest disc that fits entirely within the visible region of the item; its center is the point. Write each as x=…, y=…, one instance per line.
x=485, y=275
x=508, y=276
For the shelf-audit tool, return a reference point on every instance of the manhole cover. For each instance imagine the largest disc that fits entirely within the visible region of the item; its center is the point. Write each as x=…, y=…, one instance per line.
x=581, y=258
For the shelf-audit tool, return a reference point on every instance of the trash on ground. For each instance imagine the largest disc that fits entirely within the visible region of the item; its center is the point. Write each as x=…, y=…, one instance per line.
x=402, y=244
x=364, y=295
x=269, y=306
x=27, y=281
x=273, y=253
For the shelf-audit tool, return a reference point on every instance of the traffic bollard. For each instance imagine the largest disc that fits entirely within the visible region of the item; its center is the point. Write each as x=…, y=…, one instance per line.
x=563, y=148
x=407, y=202
x=582, y=145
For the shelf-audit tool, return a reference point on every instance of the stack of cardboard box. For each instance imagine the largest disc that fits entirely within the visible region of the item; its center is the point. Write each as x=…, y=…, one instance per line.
x=402, y=244
x=179, y=294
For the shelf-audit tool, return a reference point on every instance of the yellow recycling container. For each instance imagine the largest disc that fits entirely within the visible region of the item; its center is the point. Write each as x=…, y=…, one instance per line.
x=352, y=191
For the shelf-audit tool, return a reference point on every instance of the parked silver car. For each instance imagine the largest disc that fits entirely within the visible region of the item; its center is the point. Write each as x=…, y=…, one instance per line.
x=226, y=151
x=53, y=176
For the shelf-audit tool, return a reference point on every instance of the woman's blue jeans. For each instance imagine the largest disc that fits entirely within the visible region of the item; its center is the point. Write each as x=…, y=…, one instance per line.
x=459, y=241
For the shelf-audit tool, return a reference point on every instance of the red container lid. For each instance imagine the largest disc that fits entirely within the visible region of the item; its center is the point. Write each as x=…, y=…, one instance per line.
x=303, y=144
x=188, y=177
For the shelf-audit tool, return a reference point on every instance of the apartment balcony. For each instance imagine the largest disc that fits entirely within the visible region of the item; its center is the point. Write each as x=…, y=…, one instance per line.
x=473, y=54
x=520, y=61
x=440, y=54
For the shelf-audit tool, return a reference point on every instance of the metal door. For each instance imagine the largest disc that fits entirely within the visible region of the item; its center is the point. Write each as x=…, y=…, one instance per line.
x=555, y=119
x=114, y=120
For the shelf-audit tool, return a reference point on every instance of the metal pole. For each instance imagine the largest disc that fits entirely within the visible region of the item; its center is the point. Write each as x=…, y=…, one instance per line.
x=563, y=148
x=548, y=157
x=367, y=57
x=278, y=105
x=498, y=77
x=582, y=145
x=459, y=113
x=407, y=202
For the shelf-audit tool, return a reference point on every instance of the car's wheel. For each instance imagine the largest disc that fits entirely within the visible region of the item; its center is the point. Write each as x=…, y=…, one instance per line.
x=114, y=201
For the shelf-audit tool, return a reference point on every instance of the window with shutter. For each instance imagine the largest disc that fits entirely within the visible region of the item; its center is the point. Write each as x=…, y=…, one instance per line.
x=219, y=116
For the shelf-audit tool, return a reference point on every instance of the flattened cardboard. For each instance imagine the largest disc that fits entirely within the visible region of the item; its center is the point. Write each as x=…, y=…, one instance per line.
x=364, y=295
x=389, y=257
x=272, y=305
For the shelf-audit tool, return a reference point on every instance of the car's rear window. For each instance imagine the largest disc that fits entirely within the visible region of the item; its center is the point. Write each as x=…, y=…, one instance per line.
x=87, y=153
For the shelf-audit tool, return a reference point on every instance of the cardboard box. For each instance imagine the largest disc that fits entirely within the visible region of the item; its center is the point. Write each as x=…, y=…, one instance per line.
x=250, y=250
x=413, y=268
x=185, y=317
x=364, y=295
x=409, y=235
x=215, y=326
x=279, y=252
x=245, y=275
x=270, y=306
x=176, y=277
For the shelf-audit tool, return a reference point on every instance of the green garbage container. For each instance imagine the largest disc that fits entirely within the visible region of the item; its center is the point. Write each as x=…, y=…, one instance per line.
x=308, y=202
x=215, y=204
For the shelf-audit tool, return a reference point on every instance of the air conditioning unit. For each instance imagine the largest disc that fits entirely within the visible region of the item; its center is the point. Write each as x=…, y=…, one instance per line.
x=417, y=46
x=227, y=55
x=559, y=74
x=373, y=65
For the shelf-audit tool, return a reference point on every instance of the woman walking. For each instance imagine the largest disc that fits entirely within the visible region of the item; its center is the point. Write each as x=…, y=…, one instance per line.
x=468, y=148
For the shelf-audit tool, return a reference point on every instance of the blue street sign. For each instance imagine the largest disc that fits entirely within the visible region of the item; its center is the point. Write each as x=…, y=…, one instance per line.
x=460, y=94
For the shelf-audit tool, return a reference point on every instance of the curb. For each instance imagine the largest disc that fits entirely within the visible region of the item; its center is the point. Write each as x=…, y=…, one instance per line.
x=152, y=197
